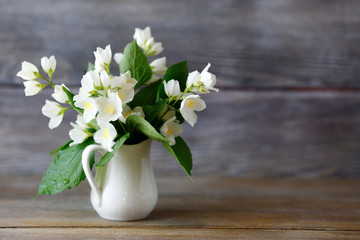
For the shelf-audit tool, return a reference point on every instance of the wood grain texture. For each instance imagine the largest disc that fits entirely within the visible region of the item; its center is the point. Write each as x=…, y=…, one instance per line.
x=281, y=43
x=209, y=207
x=254, y=133
x=119, y=233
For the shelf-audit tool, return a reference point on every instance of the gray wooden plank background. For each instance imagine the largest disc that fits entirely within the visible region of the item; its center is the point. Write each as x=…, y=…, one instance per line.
x=288, y=72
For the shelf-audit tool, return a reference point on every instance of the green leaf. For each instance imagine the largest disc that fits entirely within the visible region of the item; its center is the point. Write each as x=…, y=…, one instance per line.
x=71, y=99
x=91, y=67
x=178, y=72
x=107, y=157
x=179, y=117
x=65, y=171
x=146, y=96
x=137, y=123
x=181, y=153
x=136, y=62
x=152, y=112
x=66, y=145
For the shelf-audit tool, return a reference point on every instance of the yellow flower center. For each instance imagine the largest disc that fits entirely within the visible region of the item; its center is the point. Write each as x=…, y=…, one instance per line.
x=190, y=103
x=109, y=108
x=106, y=133
x=126, y=114
x=121, y=95
x=88, y=106
x=169, y=131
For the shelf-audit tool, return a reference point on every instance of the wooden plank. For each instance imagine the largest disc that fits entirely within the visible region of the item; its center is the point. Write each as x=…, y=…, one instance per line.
x=251, y=133
x=22, y=187
x=250, y=43
x=125, y=233
x=221, y=207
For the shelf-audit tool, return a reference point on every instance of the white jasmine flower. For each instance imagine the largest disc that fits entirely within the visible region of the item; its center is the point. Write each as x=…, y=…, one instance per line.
x=110, y=108
x=32, y=87
x=48, y=65
x=102, y=58
x=88, y=104
x=168, y=115
x=142, y=35
x=79, y=132
x=118, y=82
x=127, y=112
x=28, y=71
x=189, y=105
x=59, y=94
x=171, y=129
x=126, y=93
x=172, y=88
x=123, y=86
x=54, y=111
x=153, y=48
x=118, y=57
x=146, y=41
x=159, y=68
x=106, y=135
x=105, y=79
x=203, y=82
x=89, y=82
x=128, y=79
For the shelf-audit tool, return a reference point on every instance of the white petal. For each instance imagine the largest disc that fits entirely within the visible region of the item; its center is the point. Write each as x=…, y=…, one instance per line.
x=168, y=115
x=77, y=134
x=118, y=57
x=105, y=79
x=154, y=78
x=193, y=77
x=52, y=63
x=32, y=87
x=106, y=54
x=189, y=116
x=45, y=64
x=126, y=94
x=172, y=88
x=129, y=79
x=27, y=71
x=29, y=66
x=138, y=111
x=125, y=113
x=81, y=122
x=105, y=136
x=171, y=129
x=89, y=106
x=48, y=63
x=110, y=108
x=147, y=32
x=55, y=121
x=51, y=109
x=190, y=104
x=159, y=65
x=156, y=48
x=59, y=94
x=206, y=69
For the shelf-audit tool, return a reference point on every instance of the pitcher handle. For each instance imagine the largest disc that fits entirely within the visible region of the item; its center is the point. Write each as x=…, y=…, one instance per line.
x=86, y=166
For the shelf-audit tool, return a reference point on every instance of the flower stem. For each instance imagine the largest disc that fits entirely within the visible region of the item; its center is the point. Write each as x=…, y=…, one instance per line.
x=171, y=106
x=122, y=125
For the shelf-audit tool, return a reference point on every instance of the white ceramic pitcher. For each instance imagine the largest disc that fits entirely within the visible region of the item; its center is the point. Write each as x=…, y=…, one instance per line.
x=124, y=189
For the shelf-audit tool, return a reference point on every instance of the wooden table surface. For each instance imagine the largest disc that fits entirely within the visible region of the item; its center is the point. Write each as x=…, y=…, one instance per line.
x=208, y=207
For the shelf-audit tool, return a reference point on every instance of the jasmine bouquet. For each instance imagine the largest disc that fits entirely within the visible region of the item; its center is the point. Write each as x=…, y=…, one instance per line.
x=146, y=100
